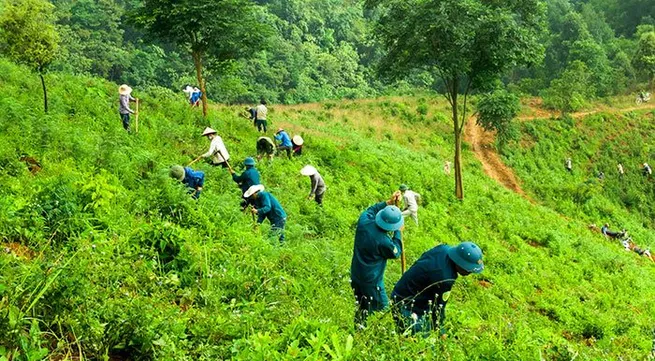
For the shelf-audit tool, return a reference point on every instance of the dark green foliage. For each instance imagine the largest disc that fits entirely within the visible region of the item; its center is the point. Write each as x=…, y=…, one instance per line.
x=496, y=110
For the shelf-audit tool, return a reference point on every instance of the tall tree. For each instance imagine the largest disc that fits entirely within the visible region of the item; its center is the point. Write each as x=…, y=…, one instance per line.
x=644, y=60
x=29, y=37
x=468, y=44
x=216, y=32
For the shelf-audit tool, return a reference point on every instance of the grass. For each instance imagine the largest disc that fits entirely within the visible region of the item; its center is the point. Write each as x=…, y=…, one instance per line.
x=122, y=264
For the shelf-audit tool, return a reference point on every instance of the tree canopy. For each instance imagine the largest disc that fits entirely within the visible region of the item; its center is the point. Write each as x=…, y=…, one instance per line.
x=467, y=44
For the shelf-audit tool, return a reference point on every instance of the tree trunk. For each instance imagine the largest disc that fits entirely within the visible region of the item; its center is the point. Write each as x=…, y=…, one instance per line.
x=459, y=188
x=197, y=62
x=45, y=93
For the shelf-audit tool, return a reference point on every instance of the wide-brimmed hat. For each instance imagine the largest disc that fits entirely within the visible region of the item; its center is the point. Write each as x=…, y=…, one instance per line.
x=308, y=170
x=252, y=190
x=208, y=131
x=177, y=172
x=390, y=218
x=279, y=130
x=298, y=140
x=249, y=161
x=468, y=256
x=124, y=89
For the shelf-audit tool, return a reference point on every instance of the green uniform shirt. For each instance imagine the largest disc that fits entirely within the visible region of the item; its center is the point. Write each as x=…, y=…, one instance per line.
x=373, y=247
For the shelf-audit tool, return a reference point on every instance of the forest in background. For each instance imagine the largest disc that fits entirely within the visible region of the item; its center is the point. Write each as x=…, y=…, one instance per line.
x=326, y=50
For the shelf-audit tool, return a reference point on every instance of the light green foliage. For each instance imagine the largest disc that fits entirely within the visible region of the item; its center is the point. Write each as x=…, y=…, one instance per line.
x=644, y=60
x=110, y=256
x=496, y=110
x=595, y=143
x=572, y=90
x=28, y=33
x=473, y=44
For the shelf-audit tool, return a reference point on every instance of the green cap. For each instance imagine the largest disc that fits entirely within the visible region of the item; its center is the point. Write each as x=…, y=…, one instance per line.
x=177, y=172
x=249, y=161
x=468, y=256
x=390, y=218
x=403, y=187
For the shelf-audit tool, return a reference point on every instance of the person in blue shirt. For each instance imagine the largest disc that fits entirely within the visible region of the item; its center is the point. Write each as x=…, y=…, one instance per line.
x=377, y=239
x=421, y=294
x=285, y=141
x=266, y=206
x=193, y=179
x=250, y=177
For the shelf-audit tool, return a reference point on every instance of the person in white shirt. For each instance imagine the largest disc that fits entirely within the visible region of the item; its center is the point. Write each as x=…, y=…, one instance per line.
x=411, y=202
x=188, y=91
x=261, y=116
x=620, y=168
x=217, y=151
x=446, y=168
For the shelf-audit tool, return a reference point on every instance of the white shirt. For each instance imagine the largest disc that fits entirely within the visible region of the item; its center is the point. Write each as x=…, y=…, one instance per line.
x=215, y=147
x=620, y=167
x=261, y=112
x=188, y=91
x=411, y=199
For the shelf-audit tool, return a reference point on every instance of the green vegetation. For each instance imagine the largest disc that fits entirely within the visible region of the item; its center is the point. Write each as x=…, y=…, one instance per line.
x=596, y=143
x=107, y=257
x=474, y=44
x=28, y=36
x=326, y=49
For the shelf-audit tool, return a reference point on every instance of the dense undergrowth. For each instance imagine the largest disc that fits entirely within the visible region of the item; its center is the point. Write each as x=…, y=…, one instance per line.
x=596, y=143
x=108, y=258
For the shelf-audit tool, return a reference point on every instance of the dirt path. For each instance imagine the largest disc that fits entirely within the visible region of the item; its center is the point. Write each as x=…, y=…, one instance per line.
x=482, y=143
x=483, y=146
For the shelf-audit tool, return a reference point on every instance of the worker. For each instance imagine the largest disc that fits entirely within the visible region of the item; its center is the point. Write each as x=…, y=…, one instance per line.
x=446, y=167
x=297, y=143
x=620, y=169
x=188, y=90
x=195, y=97
x=410, y=199
x=377, y=239
x=266, y=206
x=260, y=116
x=647, y=171
x=285, y=141
x=605, y=230
x=252, y=115
x=601, y=175
x=317, y=184
x=265, y=147
x=250, y=177
x=194, y=180
x=217, y=151
x=124, y=99
x=421, y=294
x=569, y=167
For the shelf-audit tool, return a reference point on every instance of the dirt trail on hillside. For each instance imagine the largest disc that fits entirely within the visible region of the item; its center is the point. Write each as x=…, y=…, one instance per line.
x=482, y=143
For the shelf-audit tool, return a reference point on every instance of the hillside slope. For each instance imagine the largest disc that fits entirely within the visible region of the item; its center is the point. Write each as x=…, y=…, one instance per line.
x=596, y=142
x=107, y=258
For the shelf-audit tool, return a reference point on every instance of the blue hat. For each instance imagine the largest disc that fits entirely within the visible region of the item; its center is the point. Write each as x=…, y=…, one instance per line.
x=390, y=218
x=468, y=256
x=249, y=161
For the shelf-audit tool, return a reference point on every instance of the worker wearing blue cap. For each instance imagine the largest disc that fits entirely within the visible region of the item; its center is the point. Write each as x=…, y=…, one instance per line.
x=421, y=294
x=377, y=239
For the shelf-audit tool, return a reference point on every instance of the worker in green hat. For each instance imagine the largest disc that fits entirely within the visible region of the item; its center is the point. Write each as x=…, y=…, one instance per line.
x=377, y=239
x=193, y=179
x=250, y=177
x=421, y=294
